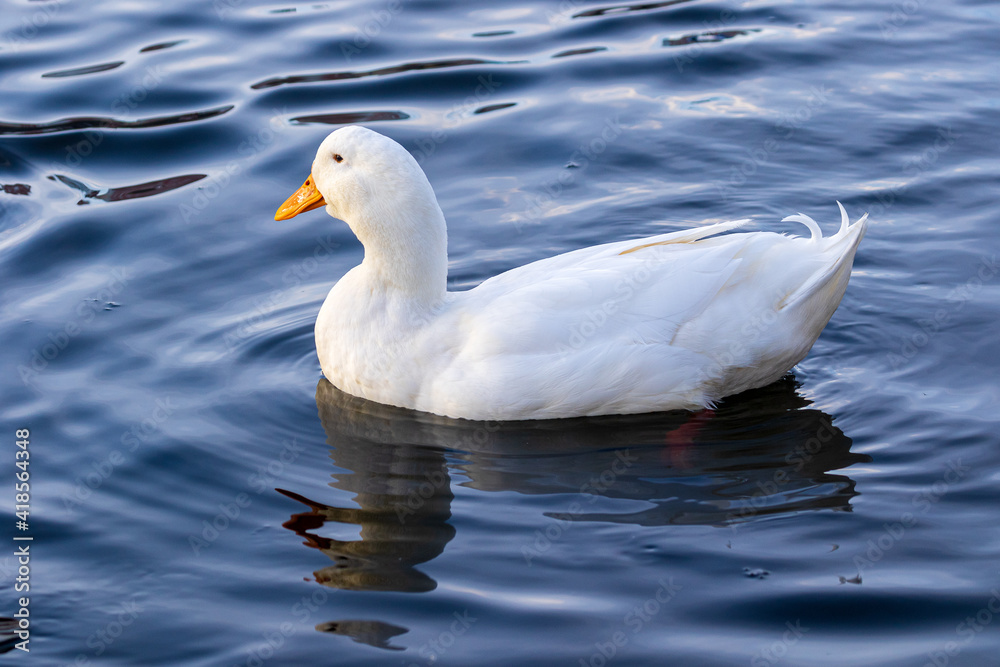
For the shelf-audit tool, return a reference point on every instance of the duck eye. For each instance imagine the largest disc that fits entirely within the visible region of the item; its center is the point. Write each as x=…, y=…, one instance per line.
x=337, y=157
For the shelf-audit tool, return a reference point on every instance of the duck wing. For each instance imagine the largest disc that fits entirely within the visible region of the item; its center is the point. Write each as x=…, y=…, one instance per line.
x=587, y=332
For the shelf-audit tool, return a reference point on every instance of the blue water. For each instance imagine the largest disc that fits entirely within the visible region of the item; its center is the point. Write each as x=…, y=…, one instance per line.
x=201, y=496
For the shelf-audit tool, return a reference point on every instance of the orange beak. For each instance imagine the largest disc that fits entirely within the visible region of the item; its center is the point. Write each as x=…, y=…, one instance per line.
x=305, y=199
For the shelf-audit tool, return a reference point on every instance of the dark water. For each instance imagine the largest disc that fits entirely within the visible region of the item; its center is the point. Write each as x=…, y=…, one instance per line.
x=200, y=496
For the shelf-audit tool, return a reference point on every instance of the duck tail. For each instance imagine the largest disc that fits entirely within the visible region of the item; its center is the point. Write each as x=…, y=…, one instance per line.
x=814, y=231
x=846, y=228
x=844, y=220
x=815, y=234
x=840, y=250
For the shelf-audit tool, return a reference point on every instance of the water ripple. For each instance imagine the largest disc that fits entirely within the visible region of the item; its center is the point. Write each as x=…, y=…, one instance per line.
x=384, y=71
x=348, y=117
x=80, y=71
x=624, y=9
x=87, y=122
x=495, y=107
x=705, y=37
x=161, y=45
x=580, y=52
x=128, y=191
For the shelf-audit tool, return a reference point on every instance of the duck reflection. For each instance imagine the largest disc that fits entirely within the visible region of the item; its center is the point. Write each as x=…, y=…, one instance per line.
x=764, y=452
x=404, y=494
x=373, y=633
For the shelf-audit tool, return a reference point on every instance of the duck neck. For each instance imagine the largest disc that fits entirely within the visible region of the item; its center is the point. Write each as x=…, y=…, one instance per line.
x=406, y=253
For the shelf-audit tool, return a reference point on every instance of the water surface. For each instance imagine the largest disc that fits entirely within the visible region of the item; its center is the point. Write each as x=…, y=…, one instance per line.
x=201, y=496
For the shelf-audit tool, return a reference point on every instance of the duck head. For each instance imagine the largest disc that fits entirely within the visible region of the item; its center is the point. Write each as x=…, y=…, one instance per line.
x=374, y=185
x=353, y=166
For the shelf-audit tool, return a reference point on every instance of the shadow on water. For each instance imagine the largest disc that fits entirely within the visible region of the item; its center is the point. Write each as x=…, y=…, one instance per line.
x=762, y=453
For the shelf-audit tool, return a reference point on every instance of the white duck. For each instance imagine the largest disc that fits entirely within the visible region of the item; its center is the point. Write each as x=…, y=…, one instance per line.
x=677, y=320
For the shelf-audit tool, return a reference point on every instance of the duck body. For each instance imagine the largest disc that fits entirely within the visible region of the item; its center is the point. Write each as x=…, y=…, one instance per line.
x=674, y=321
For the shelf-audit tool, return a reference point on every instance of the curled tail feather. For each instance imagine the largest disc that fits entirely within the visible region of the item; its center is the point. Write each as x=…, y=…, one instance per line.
x=815, y=233
x=843, y=257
